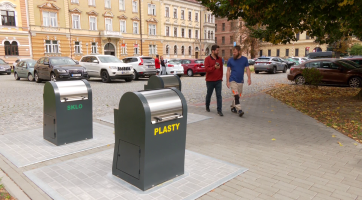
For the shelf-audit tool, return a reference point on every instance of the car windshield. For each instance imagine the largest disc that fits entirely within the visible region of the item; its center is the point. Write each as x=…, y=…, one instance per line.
x=296, y=59
x=345, y=64
x=175, y=61
x=199, y=61
x=263, y=59
x=62, y=61
x=31, y=63
x=109, y=59
x=2, y=62
x=351, y=63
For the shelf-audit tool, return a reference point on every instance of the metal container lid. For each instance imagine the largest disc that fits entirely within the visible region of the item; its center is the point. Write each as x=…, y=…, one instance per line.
x=72, y=90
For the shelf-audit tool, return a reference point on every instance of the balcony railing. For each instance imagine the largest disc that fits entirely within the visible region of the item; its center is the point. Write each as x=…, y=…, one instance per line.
x=110, y=33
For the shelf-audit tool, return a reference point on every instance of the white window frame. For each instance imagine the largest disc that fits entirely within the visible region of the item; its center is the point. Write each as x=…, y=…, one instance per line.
x=167, y=50
x=196, y=16
x=197, y=34
x=92, y=2
x=48, y=20
x=152, y=49
x=106, y=2
x=76, y=25
x=124, y=27
x=190, y=33
x=77, y=48
x=94, y=48
x=136, y=50
x=182, y=16
x=189, y=16
x=168, y=31
x=50, y=48
x=124, y=49
x=152, y=9
x=152, y=29
x=174, y=31
x=175, y=9
x=175, y=48
x=75, y=1
x=133, y=28
x=189, y=50
x=95, y=23
x=134, y=7
x=105, y=22
x=122, y=5
x=182, y=29
x=167, y=14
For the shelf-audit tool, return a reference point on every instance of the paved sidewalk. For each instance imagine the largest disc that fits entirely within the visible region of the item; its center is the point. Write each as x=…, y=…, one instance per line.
x=303, y=162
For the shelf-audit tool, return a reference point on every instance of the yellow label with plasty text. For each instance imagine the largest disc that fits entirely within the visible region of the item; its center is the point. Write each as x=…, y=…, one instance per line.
x=167, y=129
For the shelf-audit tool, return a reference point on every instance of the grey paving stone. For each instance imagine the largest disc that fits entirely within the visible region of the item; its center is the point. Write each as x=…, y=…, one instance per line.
x=28, y=147
x=108, y=186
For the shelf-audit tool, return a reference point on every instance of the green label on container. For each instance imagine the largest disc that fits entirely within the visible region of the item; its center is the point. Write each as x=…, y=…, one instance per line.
x=74, y=107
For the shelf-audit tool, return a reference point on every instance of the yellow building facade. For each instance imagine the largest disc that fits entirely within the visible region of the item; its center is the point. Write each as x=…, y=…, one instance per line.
x=14, y=35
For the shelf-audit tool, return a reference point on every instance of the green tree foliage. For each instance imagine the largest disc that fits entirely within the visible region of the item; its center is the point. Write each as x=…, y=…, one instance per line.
x=356, y=49
x=278, y=21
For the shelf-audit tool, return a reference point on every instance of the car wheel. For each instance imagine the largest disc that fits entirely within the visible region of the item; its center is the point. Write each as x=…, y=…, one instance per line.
x=135, y=75
x=128, y=79
x=285, y=69
x=300, y=80
x=256, y=72
x=36, y=76
x=53, y=77
x=355, y=82
x=274, y=70
x=190, y=72
x=105, y=77
x=30, y=77
x=202, y=74
x=16, y=76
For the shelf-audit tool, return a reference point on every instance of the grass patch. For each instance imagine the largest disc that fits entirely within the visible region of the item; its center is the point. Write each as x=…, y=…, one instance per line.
x=333, y=106
x=4, y=195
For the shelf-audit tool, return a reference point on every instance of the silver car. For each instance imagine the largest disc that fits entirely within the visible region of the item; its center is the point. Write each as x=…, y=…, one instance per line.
x=4, y=67
x=25, y=69
x=270, y=64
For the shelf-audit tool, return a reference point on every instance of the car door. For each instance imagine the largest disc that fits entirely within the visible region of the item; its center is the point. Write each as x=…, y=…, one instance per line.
x=46, y=69
x=38, y=67
x=19, y=69
x=326, y=71
x=277, y=63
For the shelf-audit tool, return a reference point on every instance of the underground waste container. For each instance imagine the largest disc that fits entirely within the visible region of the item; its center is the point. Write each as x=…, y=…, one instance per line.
x=163, y=81
x=67, y=111
x=150, y=137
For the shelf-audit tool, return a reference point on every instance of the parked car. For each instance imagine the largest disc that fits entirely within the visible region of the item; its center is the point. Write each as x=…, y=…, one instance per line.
x=334, y=71
x=174, y=66
x=25, y=69
x=357, y=60
x=251, y=61
x=107, y=67
x=193, y=66
x=58, y=68
x=300, y=60
x=4, y=67
x=319, y=55
x=143, y=66
x=292, y=60
x=289, y=63
x=269, y=64
x=18, y=60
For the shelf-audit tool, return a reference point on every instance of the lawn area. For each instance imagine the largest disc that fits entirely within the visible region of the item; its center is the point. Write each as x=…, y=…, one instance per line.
x=333, y=106
x=4, y=195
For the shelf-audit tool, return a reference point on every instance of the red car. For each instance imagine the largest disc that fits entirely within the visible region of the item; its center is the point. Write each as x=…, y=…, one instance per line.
x=193, y=66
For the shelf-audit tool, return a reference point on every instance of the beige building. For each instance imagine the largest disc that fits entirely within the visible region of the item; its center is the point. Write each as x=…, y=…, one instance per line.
x=14, y=35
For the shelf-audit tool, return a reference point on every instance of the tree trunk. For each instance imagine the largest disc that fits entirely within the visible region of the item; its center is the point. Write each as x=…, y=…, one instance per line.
x=359, y=95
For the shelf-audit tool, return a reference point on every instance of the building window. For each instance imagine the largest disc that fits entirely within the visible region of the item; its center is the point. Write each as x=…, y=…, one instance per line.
x=51, y=46
x=223, y=53
x=215, y=28
x=8, y=18
x=92, y=23
x=136, y=52
x=94, y=47
x=287, y=52
x=190, y=51
x=197, y=34
x=175, y=13
x=223, y=40
x=152, y=9
x=167, y=50
x=109, y=25
x=123, y=49
x=77, y=47
x=167, y=12
x=297, y=36
x=76, y=21
x=135, y=27
x=223, y=26
x=260, y=53
x=134, y=6
x=269, y=52
x=296, y=52
x=183, y=32
x=50, y=19
x=175, y=50
x=183, y=50
x=307, y=37
x=152, y=49
x=182, y=14
x=197, y=17
x=107, y=3
x=189, y=33
x=231, y=39
x=122, y=25
x=92, y=2
x=11, y=49
x=215, y=40
x=190, y=15
x=122, y=5
x=278, y=52
x=167, y=31
x=231, y=52
x=152, y=29
x=74, y=1
x=175, y=32
x=212, y=34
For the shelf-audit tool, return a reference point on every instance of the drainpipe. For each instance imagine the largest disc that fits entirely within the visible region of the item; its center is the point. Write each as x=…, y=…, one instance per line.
x=28, y=23
x=139, y=8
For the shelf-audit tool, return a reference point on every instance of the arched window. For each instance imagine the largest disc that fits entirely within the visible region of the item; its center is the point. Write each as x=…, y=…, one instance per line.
x=196, y=48
x=183, y=50
x=175, y=50
x=189, y=50
x=208, y=35
x=207, y=51
x=11, y=49
x=167, y=50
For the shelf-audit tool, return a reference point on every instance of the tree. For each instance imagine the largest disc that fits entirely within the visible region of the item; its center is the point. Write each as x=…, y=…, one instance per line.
x=356, y=49
x=248, y=43
x=340, y=47
x=278, y=21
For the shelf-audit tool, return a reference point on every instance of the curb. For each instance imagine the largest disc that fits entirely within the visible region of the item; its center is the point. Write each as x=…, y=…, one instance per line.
x=13, y=189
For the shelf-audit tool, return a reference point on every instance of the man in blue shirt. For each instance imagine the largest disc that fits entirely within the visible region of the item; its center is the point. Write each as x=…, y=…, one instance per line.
x=235, y=77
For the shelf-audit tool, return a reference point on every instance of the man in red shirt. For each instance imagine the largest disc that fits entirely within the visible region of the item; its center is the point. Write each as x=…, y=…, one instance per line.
x=214, y=73
x=157, y=64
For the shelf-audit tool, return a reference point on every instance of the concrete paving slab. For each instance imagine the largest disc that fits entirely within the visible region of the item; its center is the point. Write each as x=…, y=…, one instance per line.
x=89, y=177
x=191, y=118
x=28, y=147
